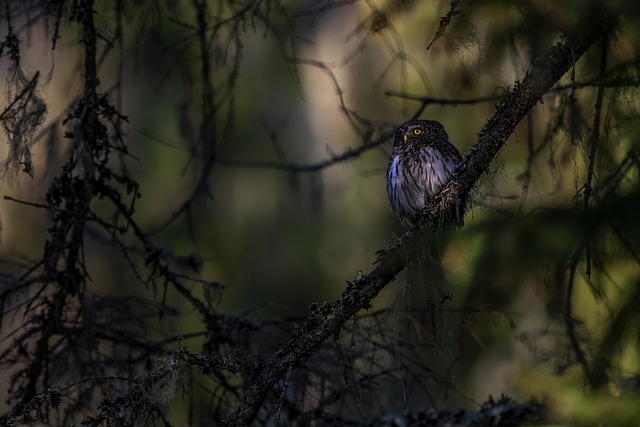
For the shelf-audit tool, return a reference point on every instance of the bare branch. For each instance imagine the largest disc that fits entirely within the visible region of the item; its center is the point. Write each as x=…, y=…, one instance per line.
x=327, y=319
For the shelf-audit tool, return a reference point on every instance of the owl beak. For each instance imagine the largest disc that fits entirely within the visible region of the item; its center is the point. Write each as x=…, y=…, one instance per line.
x=405, y=138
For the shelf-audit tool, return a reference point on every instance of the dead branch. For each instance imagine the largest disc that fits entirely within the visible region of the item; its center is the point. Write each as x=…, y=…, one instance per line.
x=328, y=318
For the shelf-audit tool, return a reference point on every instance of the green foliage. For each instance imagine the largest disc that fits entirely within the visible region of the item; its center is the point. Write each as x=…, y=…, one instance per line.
x=182, y=198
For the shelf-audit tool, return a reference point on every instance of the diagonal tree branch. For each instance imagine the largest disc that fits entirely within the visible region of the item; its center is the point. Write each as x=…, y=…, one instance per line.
x=327, y=318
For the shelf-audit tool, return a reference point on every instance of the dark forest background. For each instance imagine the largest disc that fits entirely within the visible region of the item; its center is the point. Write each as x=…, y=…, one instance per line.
x=195, y=228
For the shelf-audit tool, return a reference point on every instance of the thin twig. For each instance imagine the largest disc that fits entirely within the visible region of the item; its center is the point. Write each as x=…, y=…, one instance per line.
x=323, y=323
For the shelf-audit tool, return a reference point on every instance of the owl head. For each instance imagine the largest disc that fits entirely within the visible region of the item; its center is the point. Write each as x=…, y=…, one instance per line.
x=420, y=130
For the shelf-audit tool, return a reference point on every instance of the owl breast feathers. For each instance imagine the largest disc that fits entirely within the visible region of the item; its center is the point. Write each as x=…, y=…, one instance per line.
x=422, y=161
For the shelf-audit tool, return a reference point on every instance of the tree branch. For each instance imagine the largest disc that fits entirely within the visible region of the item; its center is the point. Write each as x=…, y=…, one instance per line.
x=327, y=318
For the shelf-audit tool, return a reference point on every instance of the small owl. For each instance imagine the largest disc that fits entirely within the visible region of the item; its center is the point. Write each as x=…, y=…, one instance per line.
x=422, y=161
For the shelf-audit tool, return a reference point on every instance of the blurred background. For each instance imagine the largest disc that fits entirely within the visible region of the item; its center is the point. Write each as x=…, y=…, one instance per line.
x=266, y=172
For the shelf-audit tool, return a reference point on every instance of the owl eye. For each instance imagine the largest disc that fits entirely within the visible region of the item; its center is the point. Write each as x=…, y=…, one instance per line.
x=417, y=131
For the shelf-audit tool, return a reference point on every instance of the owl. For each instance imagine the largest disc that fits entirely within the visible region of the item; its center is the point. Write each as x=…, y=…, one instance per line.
x=422, y=162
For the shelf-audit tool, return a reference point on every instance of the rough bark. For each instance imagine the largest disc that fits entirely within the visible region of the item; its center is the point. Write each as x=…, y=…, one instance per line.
x=327, y=318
